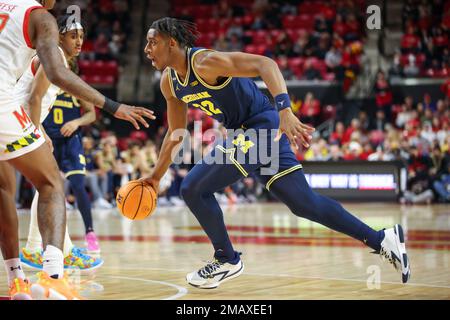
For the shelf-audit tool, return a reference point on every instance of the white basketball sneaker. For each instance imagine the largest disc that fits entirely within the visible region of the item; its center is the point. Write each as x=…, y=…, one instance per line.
x=214, y=273
x=394, y=250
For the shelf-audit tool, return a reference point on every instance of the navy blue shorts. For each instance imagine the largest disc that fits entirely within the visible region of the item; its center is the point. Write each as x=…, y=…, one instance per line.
x=252, y=149
x=69, y=155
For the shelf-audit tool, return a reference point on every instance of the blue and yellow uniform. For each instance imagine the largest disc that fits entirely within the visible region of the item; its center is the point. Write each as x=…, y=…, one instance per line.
x=68, y=151
x=238, y=104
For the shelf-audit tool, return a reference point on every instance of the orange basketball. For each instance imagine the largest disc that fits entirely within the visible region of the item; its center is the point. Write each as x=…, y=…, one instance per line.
x=136, y=200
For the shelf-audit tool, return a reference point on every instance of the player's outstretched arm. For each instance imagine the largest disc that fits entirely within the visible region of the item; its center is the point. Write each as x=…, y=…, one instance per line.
x=212, y=65
x=177, y=119
x=44, y=35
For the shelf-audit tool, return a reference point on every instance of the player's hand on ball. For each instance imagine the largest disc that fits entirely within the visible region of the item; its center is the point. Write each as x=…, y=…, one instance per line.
x=294, y=129
x=134, y=115
x=153, y=182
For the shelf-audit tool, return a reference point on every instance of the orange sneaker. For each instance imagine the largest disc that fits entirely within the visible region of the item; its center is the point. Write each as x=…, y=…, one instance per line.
x=47, y=288
x=20, y=289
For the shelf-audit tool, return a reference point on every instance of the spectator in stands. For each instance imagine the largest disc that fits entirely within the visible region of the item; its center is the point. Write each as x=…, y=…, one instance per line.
x=136, y=156
x=442, y=185
x=105, y=161
x=221, y=44
x=302, y=47
x=427, y=133
x=287, y=72
x=310, y=110
x=338, y=134
x=353, y=28
x=235, y=44
x=383, y=94
x=406, y=114
x=284, y=45
x=236, y=30
x=418, y=189
x=333, y=60
x=101, y=47
x=411, y=69
x=92, y=176
x=335, y=153
x=223, y=10
x=310, y=71
x=364, y=121
x=354, y=127
x=396, y=69
x=323, y=46
x=444, y=132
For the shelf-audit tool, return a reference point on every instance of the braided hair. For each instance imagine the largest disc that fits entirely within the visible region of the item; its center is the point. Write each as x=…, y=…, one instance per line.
x=184, y=32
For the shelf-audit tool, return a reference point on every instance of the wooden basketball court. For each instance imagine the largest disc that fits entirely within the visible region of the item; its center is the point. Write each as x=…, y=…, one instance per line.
x=285, y=257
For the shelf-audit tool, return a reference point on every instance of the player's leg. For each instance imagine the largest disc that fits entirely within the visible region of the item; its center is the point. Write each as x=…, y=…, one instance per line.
x=40, y=168
x=19, y=287
x=74, y=166
x=293, y=190
x=197, y=190
x=84, y=205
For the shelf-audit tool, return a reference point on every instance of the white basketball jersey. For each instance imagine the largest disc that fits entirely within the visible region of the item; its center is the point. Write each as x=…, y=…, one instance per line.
x=22, y=90
x=16, y=49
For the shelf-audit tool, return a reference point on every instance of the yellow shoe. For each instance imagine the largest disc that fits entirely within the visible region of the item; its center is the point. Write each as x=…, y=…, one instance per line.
x=20, y=289
x=47, y=288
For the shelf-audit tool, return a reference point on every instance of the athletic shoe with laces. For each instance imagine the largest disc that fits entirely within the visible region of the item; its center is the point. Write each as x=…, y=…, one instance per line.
x=20, y=289
x=393, y=249
x=78, y=260
x=47, y=288
x=92, y=243
x=31, y=259
x=214, y=273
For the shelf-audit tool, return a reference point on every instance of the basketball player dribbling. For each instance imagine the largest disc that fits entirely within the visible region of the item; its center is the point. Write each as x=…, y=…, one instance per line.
x=219, y=84
x=26, y=27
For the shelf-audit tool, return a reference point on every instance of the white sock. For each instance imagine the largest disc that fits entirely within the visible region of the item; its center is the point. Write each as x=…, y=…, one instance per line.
x=34, y=242
x=53, y=262
x=68, y=245
x=14, y=270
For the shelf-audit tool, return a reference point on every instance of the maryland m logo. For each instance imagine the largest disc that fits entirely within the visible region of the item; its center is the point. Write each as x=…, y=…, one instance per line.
x=22, y=117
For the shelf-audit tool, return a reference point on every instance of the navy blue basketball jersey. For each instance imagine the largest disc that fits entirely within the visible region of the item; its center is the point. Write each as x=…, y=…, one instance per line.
x=231, y=102
x=66, y=108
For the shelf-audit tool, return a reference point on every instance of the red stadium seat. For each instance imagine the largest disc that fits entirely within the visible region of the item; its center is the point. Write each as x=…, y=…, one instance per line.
x=296, y=63
x=446, y=20
x=248, y=20
x=202, y=25
x=255, y=49
x=111, y=68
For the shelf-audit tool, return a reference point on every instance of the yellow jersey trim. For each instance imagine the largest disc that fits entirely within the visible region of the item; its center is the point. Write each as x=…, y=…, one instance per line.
x=223, y=85
x=231, y=152
x=74, y=172
x=188, y=73
x=169, y=76
x=282, y=174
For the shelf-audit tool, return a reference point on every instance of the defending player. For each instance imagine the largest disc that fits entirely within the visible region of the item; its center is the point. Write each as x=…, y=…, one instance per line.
x=218, y=83
x=41, y=99
x=26, y=28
